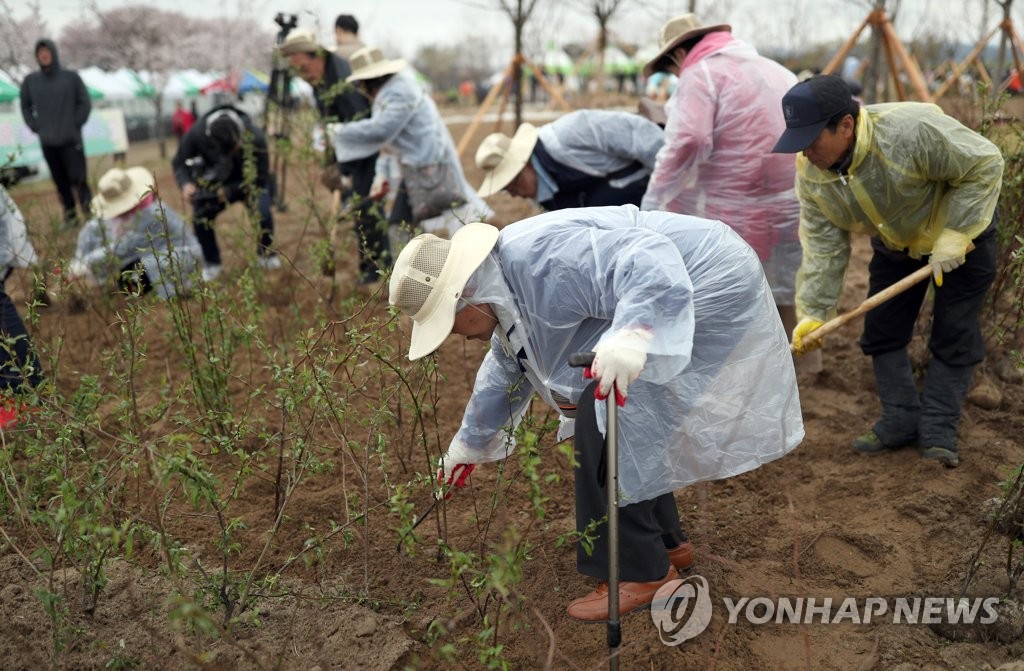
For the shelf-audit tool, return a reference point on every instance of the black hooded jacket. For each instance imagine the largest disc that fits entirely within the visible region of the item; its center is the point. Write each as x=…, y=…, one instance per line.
x=337, y=99
x=216, y=167
x=55, y=102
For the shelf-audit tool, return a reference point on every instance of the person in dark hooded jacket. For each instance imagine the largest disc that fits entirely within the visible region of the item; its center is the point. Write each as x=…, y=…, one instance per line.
x=55, y=105
x=339, y=101
x=212, y=168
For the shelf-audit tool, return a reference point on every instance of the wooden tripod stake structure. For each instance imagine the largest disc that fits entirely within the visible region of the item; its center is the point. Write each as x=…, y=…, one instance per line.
x=500, y=87
x=896, y=54
x=974, y=58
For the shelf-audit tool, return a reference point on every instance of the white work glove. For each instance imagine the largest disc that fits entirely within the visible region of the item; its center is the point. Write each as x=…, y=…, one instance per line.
x=379, y=188
x=78, y=270
x=948, y=253
x=618, y=361
x=451, y=475
x=332, y=130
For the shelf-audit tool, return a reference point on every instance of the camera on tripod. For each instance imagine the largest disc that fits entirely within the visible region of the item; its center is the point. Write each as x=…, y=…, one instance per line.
x=286, y=21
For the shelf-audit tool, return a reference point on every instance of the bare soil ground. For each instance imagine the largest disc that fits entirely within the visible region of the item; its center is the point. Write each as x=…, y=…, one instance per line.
x=822, y=522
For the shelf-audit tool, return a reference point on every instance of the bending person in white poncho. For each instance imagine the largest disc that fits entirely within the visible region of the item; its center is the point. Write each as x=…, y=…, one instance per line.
x=681, y=318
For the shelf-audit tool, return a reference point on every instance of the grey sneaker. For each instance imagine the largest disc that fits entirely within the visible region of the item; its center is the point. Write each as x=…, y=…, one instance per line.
x=870, y=443
x=947, y=457
x=212, y=272
x=269, y=262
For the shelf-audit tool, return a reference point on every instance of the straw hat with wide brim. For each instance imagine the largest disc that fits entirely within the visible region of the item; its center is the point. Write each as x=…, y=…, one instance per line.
x=678, y=30
x=299, y=42
x=429, y=277
x=370, y=63
x=502, y=158
x=121, y=190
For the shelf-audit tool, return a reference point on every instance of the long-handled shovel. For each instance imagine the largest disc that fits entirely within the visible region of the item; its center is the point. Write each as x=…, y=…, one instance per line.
x=916, y=277
x=333, y=224
x=585, y=360
x=416, y=522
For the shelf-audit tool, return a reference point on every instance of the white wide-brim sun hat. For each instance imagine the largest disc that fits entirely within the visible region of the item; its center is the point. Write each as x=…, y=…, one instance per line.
x=370, y=63
x=121, y=190
x=502, y=158
x=676, y=31
x=429, y=277
x=299, y=42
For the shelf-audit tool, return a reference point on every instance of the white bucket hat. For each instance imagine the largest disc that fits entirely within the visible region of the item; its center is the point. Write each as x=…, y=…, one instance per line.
x=300, y=42
x=121, y=190
x=370, y=63
x=429, y=277
x=676, y=31
x=502, y=158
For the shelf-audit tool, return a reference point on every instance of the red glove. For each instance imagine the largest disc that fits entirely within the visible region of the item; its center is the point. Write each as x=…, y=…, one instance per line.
x=453, y=477
x=620, y=400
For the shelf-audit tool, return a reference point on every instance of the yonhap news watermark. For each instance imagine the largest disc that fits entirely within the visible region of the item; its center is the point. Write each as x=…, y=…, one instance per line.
x=682, y=610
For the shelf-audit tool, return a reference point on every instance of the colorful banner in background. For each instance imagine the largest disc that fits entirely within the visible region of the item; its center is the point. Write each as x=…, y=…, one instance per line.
x=103, y=133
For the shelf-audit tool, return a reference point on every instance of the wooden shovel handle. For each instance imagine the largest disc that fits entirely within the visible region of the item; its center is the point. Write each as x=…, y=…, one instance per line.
x=916, y=277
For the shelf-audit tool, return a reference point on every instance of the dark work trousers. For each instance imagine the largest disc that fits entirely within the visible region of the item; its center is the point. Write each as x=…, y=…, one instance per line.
x=206, y=207
x=956, y=338
x=646, y=529
x=68, y=168
x=371, y=229
x=956, y=343
x=401, y=211
x=19, y=367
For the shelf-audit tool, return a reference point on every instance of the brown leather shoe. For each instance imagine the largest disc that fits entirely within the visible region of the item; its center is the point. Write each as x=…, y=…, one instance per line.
x=682, y=556
x=632, y=595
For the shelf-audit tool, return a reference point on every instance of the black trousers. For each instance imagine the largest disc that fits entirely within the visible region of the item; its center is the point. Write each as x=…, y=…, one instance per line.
x=401, y=211
x=19, y=366
x=956, y=338
x=68, y=168
x=206, y=206
x=371, y=229
x=647, y=529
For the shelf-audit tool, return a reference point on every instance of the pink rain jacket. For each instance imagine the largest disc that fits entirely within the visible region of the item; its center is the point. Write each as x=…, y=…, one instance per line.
x=723, y=119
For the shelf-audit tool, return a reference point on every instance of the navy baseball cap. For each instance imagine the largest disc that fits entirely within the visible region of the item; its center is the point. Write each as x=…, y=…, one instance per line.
x=807, y=107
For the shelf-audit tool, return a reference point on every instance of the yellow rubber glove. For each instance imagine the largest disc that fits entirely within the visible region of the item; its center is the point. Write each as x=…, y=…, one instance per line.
x=803, y=327
x=948, y=253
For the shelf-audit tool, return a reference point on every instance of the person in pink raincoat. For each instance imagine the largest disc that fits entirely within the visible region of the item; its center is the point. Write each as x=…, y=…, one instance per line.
x=716, y=162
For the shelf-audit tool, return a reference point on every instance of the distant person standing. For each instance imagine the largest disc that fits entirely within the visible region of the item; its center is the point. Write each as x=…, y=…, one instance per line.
x=346, y=36
x=337, y=100
x=55, y=105
x=721, y=121
x=181, y=120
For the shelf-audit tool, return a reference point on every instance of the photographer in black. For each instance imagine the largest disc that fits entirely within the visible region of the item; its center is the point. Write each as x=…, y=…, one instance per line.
x=338, y=101
x=209, y=168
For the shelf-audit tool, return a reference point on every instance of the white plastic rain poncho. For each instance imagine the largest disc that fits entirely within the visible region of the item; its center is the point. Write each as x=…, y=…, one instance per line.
x=153, y=235
x=16, y=250
x=406, y=122
x=914, y=172
x=718, y=393
x=723, y=120
x=600, y=142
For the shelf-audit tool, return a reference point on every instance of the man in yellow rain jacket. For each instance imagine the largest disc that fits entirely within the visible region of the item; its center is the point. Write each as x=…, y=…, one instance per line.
x=924, y=187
